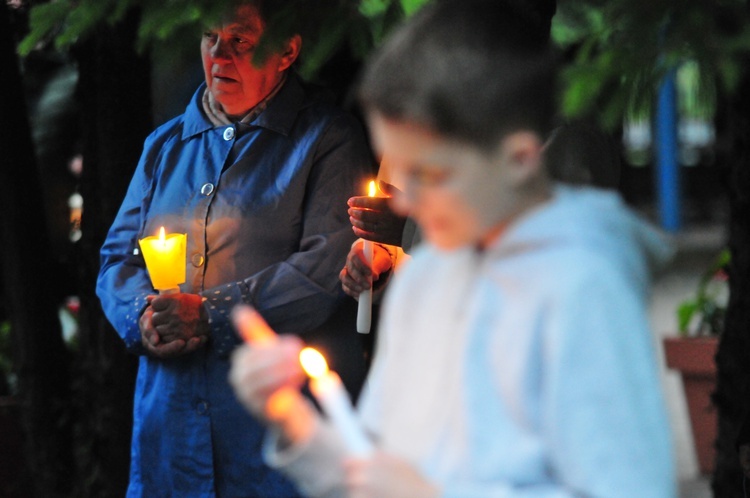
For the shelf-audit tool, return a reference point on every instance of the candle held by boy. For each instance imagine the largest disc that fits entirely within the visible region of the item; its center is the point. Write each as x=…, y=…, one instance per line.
x=327, y=388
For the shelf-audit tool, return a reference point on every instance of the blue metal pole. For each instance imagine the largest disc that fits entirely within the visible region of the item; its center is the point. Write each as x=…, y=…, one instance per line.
x=667, y=167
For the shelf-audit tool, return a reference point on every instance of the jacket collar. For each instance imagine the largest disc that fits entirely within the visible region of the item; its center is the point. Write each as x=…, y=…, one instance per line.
x=279, y=116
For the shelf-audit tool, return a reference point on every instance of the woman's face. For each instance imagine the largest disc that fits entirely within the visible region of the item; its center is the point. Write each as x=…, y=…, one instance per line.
x=227, y=53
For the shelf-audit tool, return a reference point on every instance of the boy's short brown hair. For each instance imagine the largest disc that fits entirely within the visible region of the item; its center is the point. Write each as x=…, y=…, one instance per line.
x=474, y=70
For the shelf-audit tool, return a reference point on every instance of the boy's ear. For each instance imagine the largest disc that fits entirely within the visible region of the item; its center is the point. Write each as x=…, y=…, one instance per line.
x=522, y=153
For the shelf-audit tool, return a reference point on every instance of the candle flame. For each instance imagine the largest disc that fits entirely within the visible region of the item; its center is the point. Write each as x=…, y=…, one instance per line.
x=313, y=362
x=372, y=189
x=251, y=326
x=164, y=255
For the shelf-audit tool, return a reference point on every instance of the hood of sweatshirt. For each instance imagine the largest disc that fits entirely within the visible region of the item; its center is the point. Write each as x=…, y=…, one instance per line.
x=594, y=220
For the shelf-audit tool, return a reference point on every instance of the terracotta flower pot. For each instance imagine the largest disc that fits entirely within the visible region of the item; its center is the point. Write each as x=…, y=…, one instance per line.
x=693, y=357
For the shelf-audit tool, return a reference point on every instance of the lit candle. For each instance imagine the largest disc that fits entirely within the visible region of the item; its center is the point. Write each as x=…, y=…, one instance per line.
x=327, y=388
x=364, y=311
x=251, y=326
x=165, y=260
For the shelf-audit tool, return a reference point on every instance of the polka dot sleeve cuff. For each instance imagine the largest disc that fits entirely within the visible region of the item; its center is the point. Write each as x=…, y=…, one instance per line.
x=132, y=336
x=218, y=303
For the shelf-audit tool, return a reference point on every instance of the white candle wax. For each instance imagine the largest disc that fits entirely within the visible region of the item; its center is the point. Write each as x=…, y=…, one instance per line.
x=364, y=310
x=330, y=393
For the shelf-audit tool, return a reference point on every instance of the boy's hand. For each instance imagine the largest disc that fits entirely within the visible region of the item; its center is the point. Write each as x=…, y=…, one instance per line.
x=258, y=372
x=266, y=380
x=385, y=476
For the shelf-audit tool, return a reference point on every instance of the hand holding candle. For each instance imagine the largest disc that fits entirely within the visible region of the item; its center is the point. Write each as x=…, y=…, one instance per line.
x=327, y=388
x=364, y=311
x=267, y=376
x=374, y=219
x=165, y=260
x=286, y=407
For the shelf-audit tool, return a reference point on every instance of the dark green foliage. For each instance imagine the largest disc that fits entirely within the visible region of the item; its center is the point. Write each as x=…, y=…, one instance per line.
x=327, y=25
x=622, y=49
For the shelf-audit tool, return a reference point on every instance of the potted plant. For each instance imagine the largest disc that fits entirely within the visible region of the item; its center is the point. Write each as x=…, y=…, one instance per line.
x=692, y=351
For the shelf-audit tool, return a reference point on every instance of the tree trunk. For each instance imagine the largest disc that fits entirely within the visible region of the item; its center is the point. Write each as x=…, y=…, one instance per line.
x=114, y=95
x=40, y=357
x=732, y=396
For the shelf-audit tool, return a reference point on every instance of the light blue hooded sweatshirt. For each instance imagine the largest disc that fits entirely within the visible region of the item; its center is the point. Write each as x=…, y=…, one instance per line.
x=524, y=370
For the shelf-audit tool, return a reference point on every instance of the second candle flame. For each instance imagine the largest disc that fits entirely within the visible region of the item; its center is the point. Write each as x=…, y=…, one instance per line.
x=313, y=362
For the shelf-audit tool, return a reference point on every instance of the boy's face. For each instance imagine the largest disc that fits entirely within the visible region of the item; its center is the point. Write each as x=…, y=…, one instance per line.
x=458, y=195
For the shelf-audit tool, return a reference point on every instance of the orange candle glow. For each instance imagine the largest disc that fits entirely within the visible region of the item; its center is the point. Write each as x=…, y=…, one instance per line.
x=251, y=326
x=256, y=332
x=327, y=388
x=165, y=260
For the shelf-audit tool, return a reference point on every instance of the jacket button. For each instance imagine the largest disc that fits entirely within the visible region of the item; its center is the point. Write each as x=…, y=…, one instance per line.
x=197, y=260
x=202, y=407
x=207, y=189
x=229, y=133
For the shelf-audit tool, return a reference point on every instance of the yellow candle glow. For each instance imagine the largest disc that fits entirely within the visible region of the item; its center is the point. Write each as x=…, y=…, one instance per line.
x=328, y=389
x=165, y=260
x=313, y=362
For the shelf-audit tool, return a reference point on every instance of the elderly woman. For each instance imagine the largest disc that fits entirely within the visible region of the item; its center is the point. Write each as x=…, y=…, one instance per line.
x=249, y=172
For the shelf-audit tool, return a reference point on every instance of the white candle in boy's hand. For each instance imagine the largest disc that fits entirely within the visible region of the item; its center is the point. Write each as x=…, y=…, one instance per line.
x=364, y=311
x=327, y=388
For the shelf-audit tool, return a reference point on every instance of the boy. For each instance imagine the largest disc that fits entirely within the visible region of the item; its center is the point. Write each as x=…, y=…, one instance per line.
x=515, y=357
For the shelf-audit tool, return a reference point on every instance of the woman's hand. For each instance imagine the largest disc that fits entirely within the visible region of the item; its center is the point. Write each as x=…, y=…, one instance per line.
x=174, y=325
